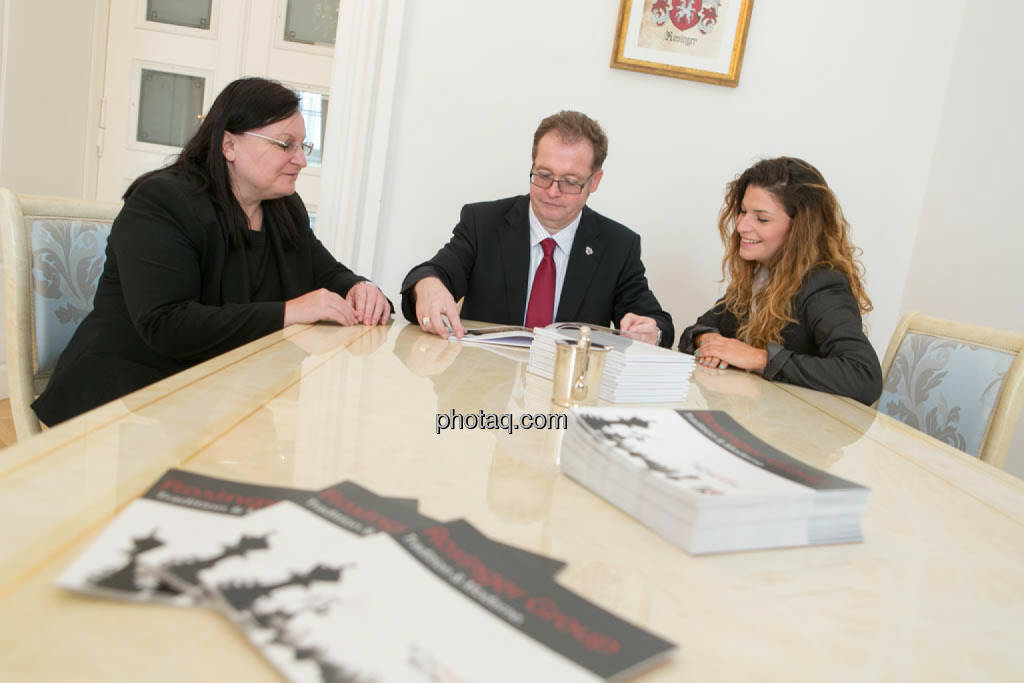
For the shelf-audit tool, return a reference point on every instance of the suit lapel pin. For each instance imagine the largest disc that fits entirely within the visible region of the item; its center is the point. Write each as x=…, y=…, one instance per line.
x=589, y=251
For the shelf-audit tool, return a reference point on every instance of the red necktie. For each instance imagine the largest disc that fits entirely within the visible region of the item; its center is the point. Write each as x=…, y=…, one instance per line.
x=541, y=309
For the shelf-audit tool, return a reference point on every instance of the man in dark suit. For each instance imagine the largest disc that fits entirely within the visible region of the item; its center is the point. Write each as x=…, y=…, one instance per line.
x=532, y=260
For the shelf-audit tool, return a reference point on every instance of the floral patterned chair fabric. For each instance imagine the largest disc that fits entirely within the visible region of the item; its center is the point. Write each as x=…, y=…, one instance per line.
x=53, y=250
x=67, y=260
x=958, y=383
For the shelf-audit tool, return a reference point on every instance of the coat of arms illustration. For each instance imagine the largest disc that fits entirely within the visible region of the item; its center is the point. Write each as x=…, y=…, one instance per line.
x=685, y=14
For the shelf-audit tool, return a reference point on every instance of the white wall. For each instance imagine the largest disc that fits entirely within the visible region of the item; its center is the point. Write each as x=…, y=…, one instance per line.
x=970, y=244
x=969, y=252
x=857, y=93
x=49, y=104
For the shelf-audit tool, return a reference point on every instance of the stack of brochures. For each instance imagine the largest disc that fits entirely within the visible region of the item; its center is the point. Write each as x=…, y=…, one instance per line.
x=703, y=482
x=342, y=584
x=634, y=372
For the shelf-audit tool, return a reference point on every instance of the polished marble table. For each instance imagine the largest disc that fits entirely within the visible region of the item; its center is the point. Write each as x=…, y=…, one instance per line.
x=936, y=591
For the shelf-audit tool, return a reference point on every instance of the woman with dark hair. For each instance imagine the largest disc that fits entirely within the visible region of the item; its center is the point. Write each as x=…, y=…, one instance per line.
x=211, y=252
x=792, y=307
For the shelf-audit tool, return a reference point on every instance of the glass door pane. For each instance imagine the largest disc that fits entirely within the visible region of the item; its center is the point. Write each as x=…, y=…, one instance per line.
x=313, y=107
x=193, y=13
x=312, y=22
x=170, y=107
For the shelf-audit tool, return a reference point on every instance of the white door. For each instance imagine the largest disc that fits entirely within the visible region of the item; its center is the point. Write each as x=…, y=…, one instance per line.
x=168, y=59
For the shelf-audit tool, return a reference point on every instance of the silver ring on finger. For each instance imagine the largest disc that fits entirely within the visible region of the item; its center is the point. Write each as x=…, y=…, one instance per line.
x=426, y=321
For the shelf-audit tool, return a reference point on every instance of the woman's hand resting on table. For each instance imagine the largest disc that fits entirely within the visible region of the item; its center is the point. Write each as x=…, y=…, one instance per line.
x=364, y=303
x=715, y=351
x=320, y=304
x=369, y=303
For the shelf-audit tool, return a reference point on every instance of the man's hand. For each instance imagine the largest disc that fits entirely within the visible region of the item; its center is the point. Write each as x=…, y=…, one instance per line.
x=321, y=304
x=369, y=303
x=639, y=327
x=432, y=300
x=716, y=351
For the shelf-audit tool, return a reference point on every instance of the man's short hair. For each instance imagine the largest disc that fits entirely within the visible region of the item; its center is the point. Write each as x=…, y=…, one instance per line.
x=573, y=126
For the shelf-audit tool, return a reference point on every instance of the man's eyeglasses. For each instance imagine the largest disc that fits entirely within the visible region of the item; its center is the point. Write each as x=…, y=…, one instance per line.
x=544, y=180
x=289, y=147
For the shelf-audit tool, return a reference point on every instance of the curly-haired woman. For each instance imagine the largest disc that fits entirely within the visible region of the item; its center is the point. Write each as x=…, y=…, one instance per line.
x=792, y=308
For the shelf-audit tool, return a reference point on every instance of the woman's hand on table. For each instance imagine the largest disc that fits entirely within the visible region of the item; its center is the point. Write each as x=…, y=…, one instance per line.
x=318, y=305
x=715, y=351
x=369, y=303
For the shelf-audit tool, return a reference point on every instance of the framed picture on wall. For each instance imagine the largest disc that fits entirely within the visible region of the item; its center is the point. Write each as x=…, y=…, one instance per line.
x=700, y=40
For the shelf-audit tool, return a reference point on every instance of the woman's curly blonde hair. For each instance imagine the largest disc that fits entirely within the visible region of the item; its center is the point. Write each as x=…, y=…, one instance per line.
x=818, y=237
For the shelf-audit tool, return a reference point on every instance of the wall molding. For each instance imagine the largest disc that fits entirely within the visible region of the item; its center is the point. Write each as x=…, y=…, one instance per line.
x=358, y=128
x=93, y=136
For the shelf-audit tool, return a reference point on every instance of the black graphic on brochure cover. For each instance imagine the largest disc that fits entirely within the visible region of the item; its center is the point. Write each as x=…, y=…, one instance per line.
x=111, y=565
x=352, y=508
x=346, y=504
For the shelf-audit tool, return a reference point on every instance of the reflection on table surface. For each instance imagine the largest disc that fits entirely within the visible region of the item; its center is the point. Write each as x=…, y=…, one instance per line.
x=935, y=592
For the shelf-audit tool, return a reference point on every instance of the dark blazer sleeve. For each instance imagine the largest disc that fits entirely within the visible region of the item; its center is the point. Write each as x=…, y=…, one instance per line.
x=713, y=320
x=847, y=364
x=634, y=295
x=160, y=243
x=452, y=264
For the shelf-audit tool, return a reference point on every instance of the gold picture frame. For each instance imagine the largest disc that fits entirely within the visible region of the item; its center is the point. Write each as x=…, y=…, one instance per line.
x=699, y=40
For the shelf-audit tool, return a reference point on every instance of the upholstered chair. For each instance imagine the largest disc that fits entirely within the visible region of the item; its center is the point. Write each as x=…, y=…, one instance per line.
x=53, y=250
x=959, y=383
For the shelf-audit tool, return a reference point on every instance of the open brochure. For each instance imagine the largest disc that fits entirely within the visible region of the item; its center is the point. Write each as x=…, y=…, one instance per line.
x=517, y=335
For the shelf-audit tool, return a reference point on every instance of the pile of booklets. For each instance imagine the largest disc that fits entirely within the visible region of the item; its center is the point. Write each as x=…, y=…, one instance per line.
x=345, y=585
x=634, y=372
x=703, y=482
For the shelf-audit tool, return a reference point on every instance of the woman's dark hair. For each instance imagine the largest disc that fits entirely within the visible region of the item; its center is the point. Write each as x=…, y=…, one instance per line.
x=243, y=105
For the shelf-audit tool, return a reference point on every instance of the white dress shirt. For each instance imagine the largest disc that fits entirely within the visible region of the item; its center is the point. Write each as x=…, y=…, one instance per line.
x=563, y=245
